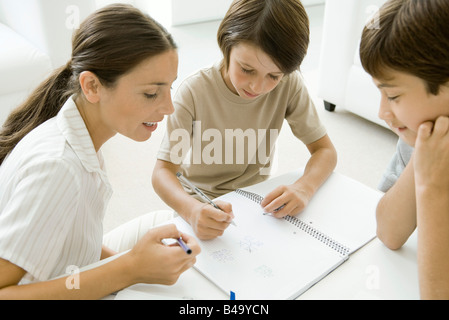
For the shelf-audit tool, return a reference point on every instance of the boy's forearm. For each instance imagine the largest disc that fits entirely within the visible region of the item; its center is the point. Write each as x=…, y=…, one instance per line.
x=318, y=169
x=396, y=211
x=433, y=242
x=171, y=191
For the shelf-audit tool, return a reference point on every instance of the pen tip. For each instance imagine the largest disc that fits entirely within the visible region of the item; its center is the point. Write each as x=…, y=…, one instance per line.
x=178, y=174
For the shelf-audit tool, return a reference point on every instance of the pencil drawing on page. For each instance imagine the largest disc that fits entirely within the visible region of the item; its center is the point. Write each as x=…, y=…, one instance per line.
x=250, y=244
x=264, y=271
x=223, y=255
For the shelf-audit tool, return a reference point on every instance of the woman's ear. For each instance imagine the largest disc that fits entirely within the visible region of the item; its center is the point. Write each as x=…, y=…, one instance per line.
x=90, y=85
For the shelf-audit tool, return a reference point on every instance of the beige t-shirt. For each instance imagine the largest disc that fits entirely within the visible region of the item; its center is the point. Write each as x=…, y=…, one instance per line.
x=224, y=142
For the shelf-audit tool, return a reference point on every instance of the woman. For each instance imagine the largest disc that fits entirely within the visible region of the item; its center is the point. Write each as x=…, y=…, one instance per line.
x=53, y=187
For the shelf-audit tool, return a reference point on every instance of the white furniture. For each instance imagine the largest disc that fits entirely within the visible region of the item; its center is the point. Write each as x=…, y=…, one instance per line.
x=22, y=67
x=342, y=80
x=35, y=38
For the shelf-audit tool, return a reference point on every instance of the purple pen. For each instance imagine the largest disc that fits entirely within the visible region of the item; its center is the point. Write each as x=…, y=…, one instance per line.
x=184, y=246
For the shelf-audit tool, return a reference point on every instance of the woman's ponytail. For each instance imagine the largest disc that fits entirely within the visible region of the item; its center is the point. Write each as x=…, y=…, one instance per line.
x=43, y=104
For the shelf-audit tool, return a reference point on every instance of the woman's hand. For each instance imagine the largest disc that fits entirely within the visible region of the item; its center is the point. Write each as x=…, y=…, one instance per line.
x=154, y=262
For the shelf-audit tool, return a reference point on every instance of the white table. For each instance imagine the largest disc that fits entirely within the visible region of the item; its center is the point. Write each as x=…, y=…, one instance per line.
x=372, y=272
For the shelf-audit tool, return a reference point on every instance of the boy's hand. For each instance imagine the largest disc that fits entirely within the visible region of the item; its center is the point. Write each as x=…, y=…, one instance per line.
x=286, y=200
x=431, y=156
x=208, y=222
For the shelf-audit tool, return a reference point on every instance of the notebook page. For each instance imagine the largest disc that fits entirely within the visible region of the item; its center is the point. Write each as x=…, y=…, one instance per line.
x=263, y=257
x=346, y=210
x=343, y=209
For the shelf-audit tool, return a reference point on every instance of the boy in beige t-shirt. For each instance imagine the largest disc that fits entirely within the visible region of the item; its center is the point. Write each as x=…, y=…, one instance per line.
x=227, y=118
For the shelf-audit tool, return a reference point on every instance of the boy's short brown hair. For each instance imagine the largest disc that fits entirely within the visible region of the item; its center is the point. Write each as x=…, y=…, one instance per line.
x=410, y=36
x=279, y=28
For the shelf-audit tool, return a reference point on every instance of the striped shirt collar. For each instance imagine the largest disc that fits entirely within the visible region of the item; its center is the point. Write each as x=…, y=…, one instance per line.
x=74, y=129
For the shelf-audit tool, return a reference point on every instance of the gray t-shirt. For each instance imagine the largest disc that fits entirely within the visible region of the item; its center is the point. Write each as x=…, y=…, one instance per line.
x=397, y=165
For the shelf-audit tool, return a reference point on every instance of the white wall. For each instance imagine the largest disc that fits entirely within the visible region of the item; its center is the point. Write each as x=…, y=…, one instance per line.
x=312, y=2
x=179, y=12
x=157, y=9
x=191, y=11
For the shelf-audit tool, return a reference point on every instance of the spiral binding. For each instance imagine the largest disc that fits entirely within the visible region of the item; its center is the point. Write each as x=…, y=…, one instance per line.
x=250, y=195
x=328, y=241
x=320, y=236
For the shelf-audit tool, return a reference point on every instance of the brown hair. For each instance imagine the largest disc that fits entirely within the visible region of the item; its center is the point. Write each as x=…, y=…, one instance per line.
x=279, y=28
x=410, y=36
x=109, y=43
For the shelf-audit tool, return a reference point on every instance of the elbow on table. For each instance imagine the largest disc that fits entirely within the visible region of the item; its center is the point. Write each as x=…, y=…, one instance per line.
x=390, y=241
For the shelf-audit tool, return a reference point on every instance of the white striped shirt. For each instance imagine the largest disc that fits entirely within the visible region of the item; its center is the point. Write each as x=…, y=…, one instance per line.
x=53, y=195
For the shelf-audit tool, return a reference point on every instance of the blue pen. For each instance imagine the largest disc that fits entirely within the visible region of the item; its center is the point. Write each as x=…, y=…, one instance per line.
x=184, y=246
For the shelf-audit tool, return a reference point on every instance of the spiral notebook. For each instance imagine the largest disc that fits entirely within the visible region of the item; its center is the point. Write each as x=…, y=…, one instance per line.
x=268, y=258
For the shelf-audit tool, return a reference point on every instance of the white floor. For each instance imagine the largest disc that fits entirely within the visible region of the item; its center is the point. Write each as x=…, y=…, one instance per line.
x=364, y=148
